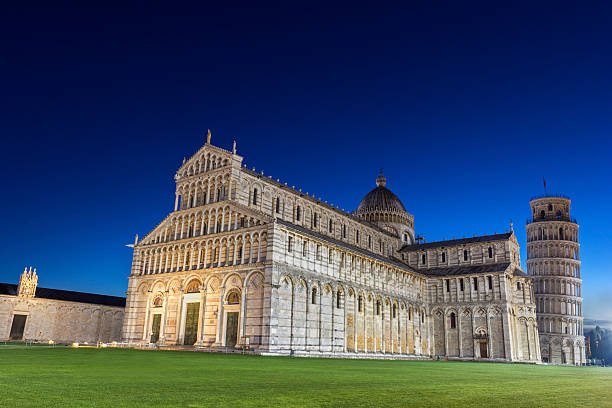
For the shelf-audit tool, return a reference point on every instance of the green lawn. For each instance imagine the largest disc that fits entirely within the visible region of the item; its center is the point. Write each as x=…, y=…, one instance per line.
x=64, y=377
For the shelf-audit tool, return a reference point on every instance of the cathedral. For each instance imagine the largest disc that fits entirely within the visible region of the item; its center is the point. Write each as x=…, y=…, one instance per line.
x=248, y=262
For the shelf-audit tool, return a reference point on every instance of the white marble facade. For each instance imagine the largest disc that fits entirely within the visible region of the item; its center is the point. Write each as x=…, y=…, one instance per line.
x=245, y=259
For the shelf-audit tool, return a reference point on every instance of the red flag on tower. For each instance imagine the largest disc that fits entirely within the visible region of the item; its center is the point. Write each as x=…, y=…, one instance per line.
x=544, y=180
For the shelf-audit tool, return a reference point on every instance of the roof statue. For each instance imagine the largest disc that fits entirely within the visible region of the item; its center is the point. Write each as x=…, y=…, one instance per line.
x=208, y=135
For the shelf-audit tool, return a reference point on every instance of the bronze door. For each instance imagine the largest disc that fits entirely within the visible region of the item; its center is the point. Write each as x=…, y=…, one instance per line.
x=483, y=350
x=155, y=328
x=191, y=323
x=231, y=333
x=17, y=327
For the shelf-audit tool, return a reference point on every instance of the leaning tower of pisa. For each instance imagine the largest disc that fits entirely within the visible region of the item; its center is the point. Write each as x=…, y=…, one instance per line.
x=553, y=260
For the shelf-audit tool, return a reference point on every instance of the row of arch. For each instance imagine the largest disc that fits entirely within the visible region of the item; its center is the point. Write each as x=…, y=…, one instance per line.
x=552, y=232
x=202, y=222
x=560, y=325
x=461, y=255
x=237, y=249
x=317, y=256
x=330, y=317
x=214, y=293
x=558, y=305
x=552, y=286
x=548, y=250
x=207, y=190
x=206, y=161
x=565, y=268
x=289, y=206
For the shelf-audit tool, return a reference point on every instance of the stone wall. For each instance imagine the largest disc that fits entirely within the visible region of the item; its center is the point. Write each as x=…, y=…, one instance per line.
x=61, y=321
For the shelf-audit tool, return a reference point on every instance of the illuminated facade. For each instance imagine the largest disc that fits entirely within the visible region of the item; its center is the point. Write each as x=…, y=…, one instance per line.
x=553, y=259
x=246, y=260
x=34, y=314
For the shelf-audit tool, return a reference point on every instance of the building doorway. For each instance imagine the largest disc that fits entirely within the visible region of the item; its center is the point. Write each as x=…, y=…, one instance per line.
x=483, y=349
x=191, y=323
x=155, y=328
x=231, y=332
x=17, y=327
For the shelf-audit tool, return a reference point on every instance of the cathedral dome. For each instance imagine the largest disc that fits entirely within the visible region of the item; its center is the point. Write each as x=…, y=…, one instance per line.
x=381, y=199
x=382, y=208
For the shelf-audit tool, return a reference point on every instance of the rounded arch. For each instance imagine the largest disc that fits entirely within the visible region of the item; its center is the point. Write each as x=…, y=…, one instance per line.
x=174, y=286
x=158, y=286
x=254, y=279
x=193, y=285
x=286, y=281
x=157, y=300
x=213, y=283
x=143, y=288
x=233, y=296
x=232, y=280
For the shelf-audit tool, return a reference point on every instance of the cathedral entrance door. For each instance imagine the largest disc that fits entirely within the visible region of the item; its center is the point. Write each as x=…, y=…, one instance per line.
x=231, y=333
x=483, y=350
x=191, y=323
x=17, y=327
x=155, y=328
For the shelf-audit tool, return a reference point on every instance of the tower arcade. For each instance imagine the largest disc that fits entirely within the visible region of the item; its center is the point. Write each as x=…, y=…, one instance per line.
x=553, y=260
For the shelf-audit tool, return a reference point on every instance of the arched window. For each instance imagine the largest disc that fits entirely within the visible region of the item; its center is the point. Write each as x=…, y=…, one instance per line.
x=357, y=236
x=465, y=255
x=254, y=196
x=315, y=220
x=298, y=213
x=314, y=296
x=331, y=225
x=344, y=231
x=305, y=249
x=193, y=287
x=410, y=314
x=453, y=321
x=490, y=252
x=339, y=299
x=277, y=205
x=518, y=285
x=369, y=241
x=423, y=259
x=394, y=311
x=543, y=214
x=405, y=237
x=560, y=233
x=377, y=307
x=290, y=244
x=233, y=297
x=550, y=207
x=490, y=279
x=360, y=303
x=443, y=256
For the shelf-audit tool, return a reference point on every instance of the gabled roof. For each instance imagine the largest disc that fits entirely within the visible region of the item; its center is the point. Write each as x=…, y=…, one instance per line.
x=456, y=242
x=67, y=295
x=206, y=146
x=466, y=270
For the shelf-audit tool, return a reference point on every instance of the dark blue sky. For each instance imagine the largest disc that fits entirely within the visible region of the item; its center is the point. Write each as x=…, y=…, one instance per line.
x=466, y=106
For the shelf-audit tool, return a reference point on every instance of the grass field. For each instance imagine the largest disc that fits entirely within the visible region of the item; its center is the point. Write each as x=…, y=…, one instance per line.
x=63, y=377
